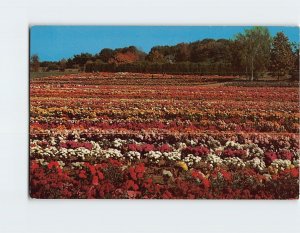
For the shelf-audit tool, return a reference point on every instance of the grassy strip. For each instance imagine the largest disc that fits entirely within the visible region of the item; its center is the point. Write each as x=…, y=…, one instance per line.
x=51, y=73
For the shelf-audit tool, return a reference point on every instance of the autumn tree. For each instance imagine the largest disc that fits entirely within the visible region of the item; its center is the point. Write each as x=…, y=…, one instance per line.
x=282, y=59
x=156, y=56
x=126, y=55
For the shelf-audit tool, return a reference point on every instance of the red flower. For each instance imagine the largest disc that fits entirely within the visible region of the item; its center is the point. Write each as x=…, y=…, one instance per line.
x=197, y=175
x=82, y=174
x=131, y=184
x=135, y=187
x=95, y=180
x=286, y=155
x=140, y=168
x=115, y=163
x=132, y=173
x=270, y=157
x=134, y=147
x=103, y=165
x=34, y=165
x=167, y=195
x=198, y=150
x=88, y=145
x=148, y=147
x=87, y=164
x=132, y=194
x=93, y=170
x=234, y=153
x=202, y=178
x=165, y=148
x=100, y=175
x=294, y=172
x=226, y=175
x=59, y=170
x=206, y=183
x=53, y=164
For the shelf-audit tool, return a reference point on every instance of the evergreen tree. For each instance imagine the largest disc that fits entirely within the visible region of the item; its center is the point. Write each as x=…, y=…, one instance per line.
x=282, y=59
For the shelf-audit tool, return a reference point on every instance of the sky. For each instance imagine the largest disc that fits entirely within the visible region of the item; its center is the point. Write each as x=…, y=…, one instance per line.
x=53, y=43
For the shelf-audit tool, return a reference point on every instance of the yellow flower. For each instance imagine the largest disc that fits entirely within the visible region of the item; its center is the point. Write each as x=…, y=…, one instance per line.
x=182, y=165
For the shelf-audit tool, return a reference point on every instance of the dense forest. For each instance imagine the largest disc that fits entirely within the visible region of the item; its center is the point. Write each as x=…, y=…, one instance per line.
x=252, y=53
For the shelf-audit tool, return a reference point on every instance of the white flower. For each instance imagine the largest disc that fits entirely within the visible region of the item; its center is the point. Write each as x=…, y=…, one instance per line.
x=256, y=163
x=214, y=160
x=234, y=162
x=173, y=156
x=281, y=164
x=132, y=155
x=191, y=159
x=154, y=156
x=118, y=143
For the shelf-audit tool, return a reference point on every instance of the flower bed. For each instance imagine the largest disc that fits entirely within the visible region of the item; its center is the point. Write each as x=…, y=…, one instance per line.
x=94, y=136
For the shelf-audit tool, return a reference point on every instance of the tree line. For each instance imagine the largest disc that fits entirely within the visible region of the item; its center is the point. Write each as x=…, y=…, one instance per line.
x=252, y=53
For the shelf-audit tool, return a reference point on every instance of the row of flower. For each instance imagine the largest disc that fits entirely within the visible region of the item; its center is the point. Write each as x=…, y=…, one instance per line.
x=112, y=179
x=143, y=112
x=165, y=127
x=269, y=154
x=123, y=135
x=172, y=105
x=169, y=92
x=129, y=79
x=266, y=142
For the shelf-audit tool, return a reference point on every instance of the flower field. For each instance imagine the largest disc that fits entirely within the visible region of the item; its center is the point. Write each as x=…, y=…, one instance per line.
x=122, y=135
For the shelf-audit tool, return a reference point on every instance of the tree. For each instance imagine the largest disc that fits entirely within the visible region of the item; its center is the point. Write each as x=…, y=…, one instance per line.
x=70, y=64
x=35, y=62
x=62, y=64
x=182, y=53
x=88, y=66
x=155, y=56
x=295, y=48
x=105, y=55
x=53, y=66
x=282, y=58
x=255, y=50
x=82, y=58
x=239, y=55
x=295, y=73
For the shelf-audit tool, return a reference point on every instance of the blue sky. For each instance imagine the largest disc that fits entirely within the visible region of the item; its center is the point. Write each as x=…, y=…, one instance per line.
x=53, y=43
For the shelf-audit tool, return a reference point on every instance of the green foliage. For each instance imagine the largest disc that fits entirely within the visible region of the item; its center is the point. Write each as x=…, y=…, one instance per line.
x=282, y=57
x=105, y=55
x=82, y=58
x=254, y=46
